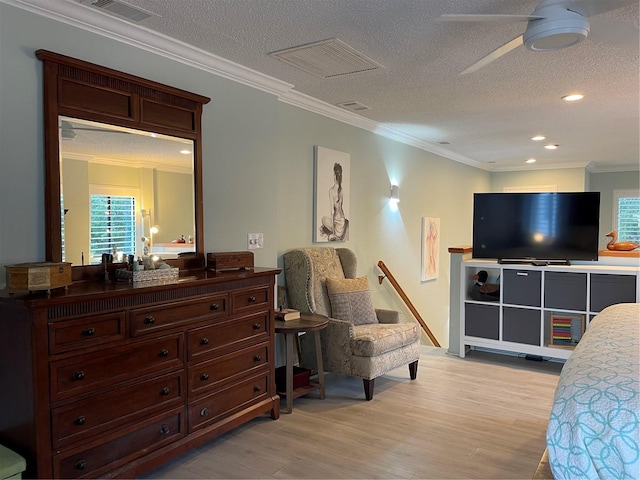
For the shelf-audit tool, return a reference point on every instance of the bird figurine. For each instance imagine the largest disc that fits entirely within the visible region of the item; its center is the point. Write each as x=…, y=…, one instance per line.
x=620, y=246
x=481, y=290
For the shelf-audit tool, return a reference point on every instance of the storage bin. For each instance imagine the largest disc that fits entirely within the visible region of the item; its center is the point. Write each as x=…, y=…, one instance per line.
x=300, y=378
x=565, y=290
x=522, y=287
x=482, y=321
x=610, y=289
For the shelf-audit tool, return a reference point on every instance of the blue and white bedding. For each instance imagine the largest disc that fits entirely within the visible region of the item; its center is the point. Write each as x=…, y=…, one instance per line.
x=594, y=427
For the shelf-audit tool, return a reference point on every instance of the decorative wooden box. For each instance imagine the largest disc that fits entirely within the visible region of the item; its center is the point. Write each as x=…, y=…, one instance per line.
x=38, y=276
x=229, y=260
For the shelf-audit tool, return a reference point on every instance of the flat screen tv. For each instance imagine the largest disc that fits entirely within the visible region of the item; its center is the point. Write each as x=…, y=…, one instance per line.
x=536, y=227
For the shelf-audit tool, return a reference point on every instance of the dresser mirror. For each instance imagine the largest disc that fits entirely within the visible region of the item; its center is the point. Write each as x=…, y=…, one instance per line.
x=123, y=167
x=124, y=191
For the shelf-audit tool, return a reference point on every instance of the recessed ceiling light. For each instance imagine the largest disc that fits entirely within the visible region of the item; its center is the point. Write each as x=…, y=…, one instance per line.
x=531, y=160
x=551, y=146
x=185, y=152
x=573, y=97
x=537, y=138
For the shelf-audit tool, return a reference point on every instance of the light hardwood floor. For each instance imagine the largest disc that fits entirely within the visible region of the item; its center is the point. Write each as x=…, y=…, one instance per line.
x=484, y=416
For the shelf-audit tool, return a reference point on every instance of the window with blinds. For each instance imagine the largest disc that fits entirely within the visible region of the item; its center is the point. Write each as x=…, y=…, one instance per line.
x=627, y=215
x=113, y=224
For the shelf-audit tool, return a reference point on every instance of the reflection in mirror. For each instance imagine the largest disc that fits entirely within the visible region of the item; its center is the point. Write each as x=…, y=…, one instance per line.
x=124, y=192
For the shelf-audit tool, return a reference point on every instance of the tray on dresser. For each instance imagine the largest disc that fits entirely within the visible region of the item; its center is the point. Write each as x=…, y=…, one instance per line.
x=159, y=276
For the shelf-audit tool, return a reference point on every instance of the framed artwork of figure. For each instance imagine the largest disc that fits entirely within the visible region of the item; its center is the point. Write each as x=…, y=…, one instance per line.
x=331, y=212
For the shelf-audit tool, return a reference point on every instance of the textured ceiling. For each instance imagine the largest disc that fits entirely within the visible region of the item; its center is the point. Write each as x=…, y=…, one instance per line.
x=486, y=117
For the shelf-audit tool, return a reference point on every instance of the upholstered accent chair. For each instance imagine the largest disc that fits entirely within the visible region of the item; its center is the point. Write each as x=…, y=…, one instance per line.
x=363, y=342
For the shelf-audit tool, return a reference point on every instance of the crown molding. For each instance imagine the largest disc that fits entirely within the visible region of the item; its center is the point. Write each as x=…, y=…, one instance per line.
x=540, y=166
x=306, y=102
x=631, y=167
x=86, y=18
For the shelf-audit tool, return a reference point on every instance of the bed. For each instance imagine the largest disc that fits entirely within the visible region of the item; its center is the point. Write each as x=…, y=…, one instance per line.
x=593, y=429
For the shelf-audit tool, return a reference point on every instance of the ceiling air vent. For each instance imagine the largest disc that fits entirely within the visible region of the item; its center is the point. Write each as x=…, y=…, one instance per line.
x=326, y=59
x=354, y=106
x=121, y=9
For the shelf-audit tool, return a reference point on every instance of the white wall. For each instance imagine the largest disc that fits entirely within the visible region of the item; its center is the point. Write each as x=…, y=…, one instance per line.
x=565, y=179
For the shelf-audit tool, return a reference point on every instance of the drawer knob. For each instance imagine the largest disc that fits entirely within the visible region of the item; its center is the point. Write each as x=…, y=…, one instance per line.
x=80, y=421
x=204, y=412
x=164, y=352
x=257, y=358
x=78, y=376
x=80, y=465
x=251, y=299
x=89, y=332
x=204, y=341
x=165, y=391
x=256, y=326
x=215, y=306
x=149, y=320
x=204, y=376
x=257, y=388
x=164, y=429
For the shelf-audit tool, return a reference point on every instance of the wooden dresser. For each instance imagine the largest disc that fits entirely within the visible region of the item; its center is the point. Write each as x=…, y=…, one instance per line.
x=111, y=380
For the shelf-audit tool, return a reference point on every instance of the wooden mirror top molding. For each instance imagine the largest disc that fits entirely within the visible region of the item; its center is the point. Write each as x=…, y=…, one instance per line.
x=83, y=90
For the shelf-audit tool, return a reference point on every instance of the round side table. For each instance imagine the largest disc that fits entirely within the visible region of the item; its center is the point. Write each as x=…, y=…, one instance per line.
x=308, y=322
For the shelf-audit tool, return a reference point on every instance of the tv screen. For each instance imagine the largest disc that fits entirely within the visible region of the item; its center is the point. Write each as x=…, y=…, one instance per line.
x=536, y=226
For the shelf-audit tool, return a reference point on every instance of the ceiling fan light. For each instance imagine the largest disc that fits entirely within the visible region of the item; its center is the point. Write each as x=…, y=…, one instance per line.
x=555, y=33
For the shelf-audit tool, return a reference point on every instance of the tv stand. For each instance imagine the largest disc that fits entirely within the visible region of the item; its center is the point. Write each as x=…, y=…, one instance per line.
x=535, y=301
x=531, y=261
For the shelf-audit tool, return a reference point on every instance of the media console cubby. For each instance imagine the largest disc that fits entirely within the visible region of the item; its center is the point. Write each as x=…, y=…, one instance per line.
x=540, y=310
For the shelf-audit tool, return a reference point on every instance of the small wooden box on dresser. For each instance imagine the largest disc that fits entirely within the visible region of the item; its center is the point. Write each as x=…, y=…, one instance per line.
x=112, y=380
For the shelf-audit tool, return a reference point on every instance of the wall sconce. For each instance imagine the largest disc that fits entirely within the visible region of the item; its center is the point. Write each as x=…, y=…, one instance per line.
x=395, y=194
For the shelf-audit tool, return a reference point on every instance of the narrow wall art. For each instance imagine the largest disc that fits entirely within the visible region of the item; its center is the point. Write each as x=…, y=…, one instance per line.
x=430, y=248
x=332, y=177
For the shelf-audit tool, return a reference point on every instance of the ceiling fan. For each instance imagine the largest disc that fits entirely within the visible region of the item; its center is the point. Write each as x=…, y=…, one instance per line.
x=553, y=25
x=68, y=130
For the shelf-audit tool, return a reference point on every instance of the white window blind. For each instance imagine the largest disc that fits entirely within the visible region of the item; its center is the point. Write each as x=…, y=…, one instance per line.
x=113, y=224
x=626, y=215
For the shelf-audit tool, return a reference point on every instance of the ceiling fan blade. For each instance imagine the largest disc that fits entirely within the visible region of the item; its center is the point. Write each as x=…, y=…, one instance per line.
x=497, y=53
x=589, y=8
x=486, y=18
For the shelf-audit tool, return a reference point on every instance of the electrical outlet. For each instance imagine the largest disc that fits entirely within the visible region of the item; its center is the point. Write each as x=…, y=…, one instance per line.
x=255, y=240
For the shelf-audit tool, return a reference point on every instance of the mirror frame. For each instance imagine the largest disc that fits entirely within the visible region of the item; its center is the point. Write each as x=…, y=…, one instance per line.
x=80, y=89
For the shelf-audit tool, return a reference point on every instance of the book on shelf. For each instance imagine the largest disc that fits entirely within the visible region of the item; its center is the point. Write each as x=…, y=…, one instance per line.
x=285, y=314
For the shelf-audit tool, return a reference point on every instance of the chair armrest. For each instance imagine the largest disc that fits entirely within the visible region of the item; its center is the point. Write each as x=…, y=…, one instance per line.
x=340, y=331
x=388, y=316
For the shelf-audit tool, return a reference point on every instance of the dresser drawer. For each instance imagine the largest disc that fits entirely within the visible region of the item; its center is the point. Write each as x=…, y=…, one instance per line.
x=204, y=376
x=232, y=335
x=105, y=412
x=237, y=397
x=70, y=335
x=250, y=299
x=153, y=319
x=99, y=458
x=78, y=375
